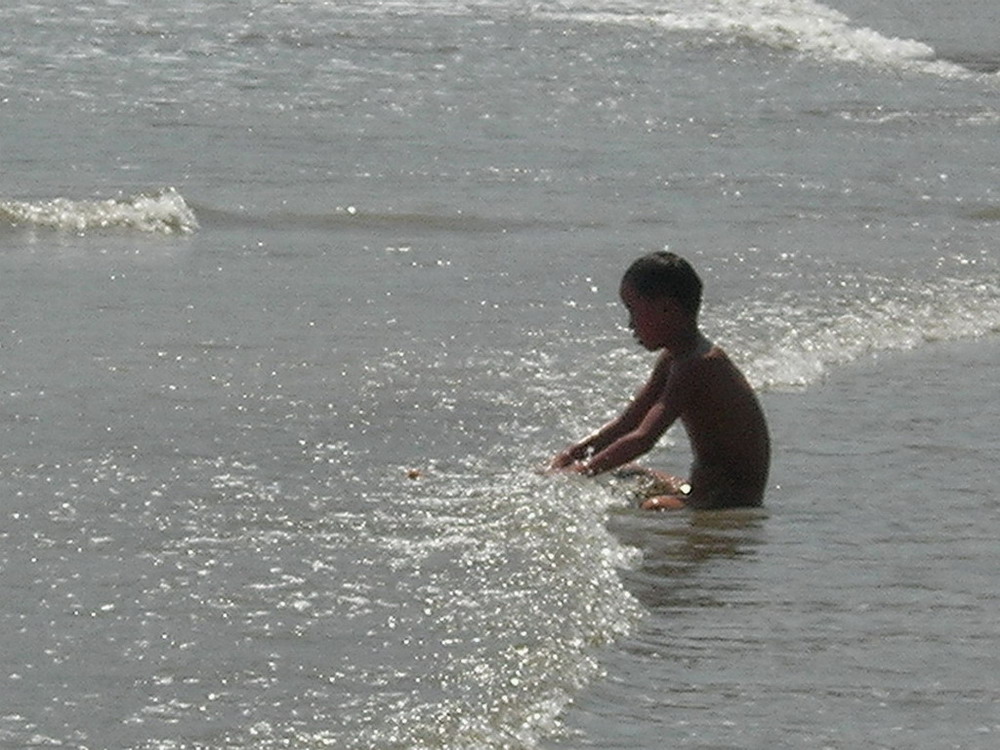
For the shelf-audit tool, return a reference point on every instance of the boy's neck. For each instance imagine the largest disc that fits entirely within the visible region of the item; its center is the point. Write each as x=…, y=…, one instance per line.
x=688, y=343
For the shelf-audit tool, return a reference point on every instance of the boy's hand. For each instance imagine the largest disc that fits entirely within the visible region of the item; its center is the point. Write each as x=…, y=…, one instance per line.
x=566, y=462
x=562, y=461
x=571, y=467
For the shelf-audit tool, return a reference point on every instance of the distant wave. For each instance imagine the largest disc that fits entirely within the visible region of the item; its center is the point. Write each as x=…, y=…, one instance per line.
x=164, y=212
x=794, y=341
x=803, y=26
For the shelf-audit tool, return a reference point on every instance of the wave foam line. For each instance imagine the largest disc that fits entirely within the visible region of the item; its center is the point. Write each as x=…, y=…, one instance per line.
x=807, y=27
x=805, y=339
x=165, y=212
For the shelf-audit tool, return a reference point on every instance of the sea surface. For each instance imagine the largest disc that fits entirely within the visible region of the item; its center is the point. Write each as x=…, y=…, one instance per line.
x=296, y=297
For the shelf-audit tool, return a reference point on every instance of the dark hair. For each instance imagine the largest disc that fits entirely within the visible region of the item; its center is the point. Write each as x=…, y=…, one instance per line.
x=664, y=274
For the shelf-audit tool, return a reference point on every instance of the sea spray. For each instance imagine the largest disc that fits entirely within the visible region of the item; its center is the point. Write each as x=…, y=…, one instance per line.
x=517, y=576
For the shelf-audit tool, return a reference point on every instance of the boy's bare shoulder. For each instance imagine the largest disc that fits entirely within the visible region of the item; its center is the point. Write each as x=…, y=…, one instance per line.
x=709, y=374
x=707, y=359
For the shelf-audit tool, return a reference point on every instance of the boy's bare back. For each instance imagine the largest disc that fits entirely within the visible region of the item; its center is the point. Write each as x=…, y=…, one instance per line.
x=725, y=424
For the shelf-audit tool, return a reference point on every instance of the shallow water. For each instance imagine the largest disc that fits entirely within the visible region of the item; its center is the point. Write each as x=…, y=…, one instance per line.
x=294, y=299
x=855, y=609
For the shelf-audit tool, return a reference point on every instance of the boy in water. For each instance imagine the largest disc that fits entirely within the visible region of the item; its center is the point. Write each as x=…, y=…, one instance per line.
x=693, y=380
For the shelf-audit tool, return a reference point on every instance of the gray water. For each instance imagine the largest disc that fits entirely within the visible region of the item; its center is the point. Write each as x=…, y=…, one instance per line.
x=297, y=296
x=858, y=614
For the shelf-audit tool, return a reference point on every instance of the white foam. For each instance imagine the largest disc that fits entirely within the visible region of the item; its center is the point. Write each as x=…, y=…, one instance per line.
x=164, y=212
x=806, y=338
x=802, y=26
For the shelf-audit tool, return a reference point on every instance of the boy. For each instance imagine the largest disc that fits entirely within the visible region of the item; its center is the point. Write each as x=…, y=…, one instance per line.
x=694, y=381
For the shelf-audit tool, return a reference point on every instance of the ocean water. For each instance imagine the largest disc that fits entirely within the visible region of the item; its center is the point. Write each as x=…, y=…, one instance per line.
x=295, y=298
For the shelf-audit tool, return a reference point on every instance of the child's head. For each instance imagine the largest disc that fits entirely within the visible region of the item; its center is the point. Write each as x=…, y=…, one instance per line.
x=664, y=274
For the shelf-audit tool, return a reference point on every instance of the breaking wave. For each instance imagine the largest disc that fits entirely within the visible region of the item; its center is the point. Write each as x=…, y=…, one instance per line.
x=796, y=341
x=809, y=28
x=163, y=212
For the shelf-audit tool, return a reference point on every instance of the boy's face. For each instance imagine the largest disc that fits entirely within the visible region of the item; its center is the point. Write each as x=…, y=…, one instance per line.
x=652, y=320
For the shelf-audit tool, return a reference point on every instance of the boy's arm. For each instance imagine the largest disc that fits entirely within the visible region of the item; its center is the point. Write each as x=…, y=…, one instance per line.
x=666, y=401
x=638, y=441
x=627, y=422
x=589, y=445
